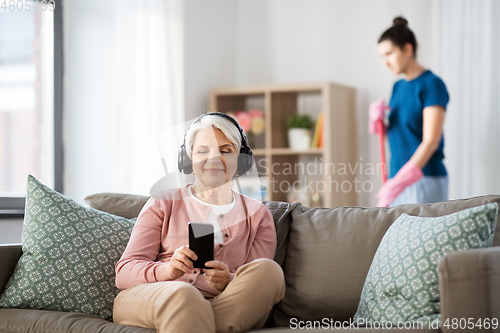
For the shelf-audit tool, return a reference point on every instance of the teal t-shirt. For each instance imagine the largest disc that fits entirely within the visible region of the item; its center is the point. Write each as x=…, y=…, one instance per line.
x=406, y=121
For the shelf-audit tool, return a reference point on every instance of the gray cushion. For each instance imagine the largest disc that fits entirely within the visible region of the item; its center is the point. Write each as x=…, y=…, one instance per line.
x=330, y=252
x=125, y=205
x=40, y=321
x=282, y=215
x=9, y=256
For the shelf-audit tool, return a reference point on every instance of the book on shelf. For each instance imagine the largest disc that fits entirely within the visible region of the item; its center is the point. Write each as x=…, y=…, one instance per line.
x=321, y=131
x=318, y=132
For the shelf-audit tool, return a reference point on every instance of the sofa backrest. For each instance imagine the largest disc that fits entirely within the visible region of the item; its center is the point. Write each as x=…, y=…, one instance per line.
x=9, y=256
x=330, y=250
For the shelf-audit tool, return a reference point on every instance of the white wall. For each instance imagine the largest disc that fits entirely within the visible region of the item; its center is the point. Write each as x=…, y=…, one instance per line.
x=210, y=50
x=11, y=231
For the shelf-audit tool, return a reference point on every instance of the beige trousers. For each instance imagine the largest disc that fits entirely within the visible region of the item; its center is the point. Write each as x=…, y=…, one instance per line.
x=176, y=306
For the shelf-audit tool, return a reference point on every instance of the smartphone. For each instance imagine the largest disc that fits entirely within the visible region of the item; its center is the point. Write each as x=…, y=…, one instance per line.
x=201, y=242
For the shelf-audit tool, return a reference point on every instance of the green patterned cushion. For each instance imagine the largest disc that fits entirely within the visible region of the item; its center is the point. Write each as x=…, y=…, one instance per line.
x=402, y=282
x=69, y=254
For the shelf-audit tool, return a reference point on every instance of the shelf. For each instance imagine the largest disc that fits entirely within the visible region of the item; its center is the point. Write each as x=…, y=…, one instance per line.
x=286, y=151
x=281, y=166
x=262, y=89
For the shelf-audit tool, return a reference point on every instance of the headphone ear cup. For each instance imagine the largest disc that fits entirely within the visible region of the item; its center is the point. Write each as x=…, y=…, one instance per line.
x=184, y=163
x=245, y=160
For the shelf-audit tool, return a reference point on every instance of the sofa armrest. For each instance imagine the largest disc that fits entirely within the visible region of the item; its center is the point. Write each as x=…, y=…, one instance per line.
x=9, y=256
x=470, y=285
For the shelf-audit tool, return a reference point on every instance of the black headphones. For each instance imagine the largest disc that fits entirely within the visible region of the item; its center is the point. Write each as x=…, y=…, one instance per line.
x=245, y=158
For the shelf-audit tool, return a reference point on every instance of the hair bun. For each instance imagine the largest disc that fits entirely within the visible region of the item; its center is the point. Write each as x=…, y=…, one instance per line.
x=400, y=21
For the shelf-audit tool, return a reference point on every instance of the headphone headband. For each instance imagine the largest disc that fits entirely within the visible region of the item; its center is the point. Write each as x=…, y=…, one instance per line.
x=245, y=158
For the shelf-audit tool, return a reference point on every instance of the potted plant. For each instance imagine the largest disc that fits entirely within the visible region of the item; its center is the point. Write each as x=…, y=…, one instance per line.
x=299, y=131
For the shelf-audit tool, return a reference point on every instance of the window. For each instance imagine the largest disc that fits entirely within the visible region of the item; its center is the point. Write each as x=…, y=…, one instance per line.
x=30, y=99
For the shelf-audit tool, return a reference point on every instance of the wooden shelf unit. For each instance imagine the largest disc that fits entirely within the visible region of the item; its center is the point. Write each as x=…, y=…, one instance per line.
x=278, y=101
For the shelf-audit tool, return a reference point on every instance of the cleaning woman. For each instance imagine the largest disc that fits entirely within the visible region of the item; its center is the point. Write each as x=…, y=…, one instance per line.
x=415, y=123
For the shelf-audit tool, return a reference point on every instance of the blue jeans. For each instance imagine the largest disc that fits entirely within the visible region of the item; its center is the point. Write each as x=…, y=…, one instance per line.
x=427, y=189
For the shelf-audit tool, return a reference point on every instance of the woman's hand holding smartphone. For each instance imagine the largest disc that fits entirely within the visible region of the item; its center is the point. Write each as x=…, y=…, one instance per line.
x=217, y=273
x=181, y=262
x=218, y=276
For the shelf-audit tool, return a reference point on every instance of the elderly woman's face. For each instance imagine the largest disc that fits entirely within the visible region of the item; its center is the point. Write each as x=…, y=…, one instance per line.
x=214, y=157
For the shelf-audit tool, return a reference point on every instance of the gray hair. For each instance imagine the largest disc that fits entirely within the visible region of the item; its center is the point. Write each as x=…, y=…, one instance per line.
x=213, y=121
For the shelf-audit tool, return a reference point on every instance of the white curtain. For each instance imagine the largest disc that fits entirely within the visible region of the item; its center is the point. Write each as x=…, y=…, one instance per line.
x=466, y=54
x=148, y=88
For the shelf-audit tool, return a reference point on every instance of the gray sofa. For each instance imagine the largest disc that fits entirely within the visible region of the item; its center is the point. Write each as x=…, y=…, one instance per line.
x=325, y=254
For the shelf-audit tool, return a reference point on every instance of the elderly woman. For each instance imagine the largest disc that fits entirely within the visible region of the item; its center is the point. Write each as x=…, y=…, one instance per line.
x=238, y=288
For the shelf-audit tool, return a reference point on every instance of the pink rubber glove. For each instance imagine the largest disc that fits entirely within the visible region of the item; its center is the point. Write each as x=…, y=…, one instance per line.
x=376, y=112
x=406, y=176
